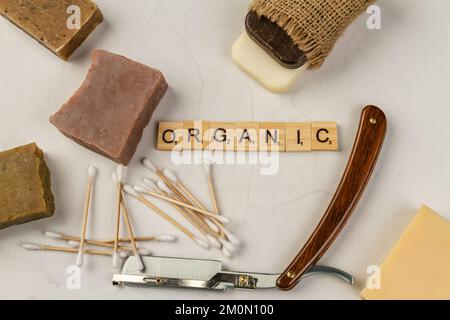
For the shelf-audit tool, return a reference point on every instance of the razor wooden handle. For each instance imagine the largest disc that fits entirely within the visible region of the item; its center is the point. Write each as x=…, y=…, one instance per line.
x=367, y=147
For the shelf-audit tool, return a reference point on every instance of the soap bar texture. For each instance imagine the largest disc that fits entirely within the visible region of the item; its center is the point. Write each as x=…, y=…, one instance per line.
x=110, y=110
x=47, y=21
x=259, y=65
x=25, y=187
x=418, y=267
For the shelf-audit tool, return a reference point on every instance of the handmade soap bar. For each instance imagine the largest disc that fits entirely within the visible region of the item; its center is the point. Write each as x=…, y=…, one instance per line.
x=61, y=26
x=25, y=187
x=418, y=267
x=254, y=61
x=110, y=110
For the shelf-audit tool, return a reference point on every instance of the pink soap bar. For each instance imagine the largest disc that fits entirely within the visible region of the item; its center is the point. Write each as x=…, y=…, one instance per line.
x=110, y=110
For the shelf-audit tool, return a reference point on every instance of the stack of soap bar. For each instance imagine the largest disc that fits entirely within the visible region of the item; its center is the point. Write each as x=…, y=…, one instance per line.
x=25, y=187
x=418, y=267
x=48, y=21
x=110, y=110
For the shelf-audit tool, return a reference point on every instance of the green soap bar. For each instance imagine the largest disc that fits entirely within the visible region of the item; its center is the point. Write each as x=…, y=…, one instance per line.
x=25, y=187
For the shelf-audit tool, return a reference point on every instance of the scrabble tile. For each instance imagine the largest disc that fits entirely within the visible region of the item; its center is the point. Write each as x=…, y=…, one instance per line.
x=298, y=136
x=170, y=135
x=194, y=135
x=324, y=136
x=246, y=135
x=272, y=136
x=221, y=136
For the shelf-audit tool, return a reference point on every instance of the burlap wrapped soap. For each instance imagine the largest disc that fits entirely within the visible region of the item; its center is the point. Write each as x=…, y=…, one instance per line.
x=314, y=25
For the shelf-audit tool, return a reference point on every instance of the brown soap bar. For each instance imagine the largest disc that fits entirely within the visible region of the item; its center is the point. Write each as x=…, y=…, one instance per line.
x=110, y=110
x=46, y=22
x=274, y=40
x=25, y=187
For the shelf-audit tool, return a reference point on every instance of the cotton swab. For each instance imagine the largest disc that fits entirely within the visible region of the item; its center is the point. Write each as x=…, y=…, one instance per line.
x=228, y=245
x=129, y=190
x=139, y=263
x=160, y=238
x=190, y=215
x=42, y=247
x=173, y=177
x=117, y=178
x=142, y=251
x=226, y=253
x=91, y=173
x=143, y=190
x=212, y=190
x=152, y=167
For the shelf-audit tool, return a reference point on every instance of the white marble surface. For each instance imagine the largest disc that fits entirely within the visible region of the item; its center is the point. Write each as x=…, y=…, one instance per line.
x=403, y=68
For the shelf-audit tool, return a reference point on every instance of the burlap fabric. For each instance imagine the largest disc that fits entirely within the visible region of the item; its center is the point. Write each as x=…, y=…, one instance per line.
x=314, y=25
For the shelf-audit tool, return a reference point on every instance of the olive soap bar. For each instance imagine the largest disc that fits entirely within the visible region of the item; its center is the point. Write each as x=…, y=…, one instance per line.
x=61, y=26
x=25, y=186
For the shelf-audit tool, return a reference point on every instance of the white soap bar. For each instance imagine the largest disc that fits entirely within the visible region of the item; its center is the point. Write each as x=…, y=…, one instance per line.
x=259, y=65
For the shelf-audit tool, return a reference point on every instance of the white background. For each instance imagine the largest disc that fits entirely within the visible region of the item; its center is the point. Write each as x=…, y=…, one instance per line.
x=403, y=68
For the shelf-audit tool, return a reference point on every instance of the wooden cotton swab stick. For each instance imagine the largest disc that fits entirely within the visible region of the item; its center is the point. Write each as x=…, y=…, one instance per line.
x=182, y=204
x=42, y=247
x=212, y=190
x=160, y=238
x=189, y=215
x=173, y=178
x=117, y=177
x=91, y=173
x=139, y=263
x=152, y=167
x=129, y=190
x=76, y=244
x=211, y=231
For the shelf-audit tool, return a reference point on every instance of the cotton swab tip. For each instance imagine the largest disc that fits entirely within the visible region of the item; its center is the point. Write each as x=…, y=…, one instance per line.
x=150, y=183
x=80, y=259
x=122, y=255
x=166, y=238
x=228, y=245
x=171, y=175
x=140, y=189
x=226, y=253
x=73, y=244
x=115, y=260
x=163, y=187
x=213, y=226
x=92, y=171
x=31, y=246
x=207, y=168
x=120, y=173
x=222, y=219
x=202, y=243
x=214, y=242
x=144, y=252
x=232, y=238
x=149, y=165
x=129, y=190
x=53, y=235
x=139, y=263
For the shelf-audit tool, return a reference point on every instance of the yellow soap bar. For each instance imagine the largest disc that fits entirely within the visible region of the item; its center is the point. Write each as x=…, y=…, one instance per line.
x=418, y=267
